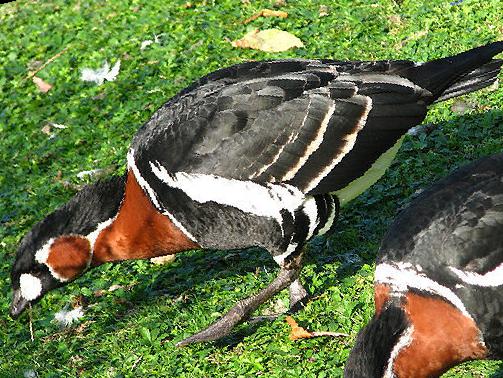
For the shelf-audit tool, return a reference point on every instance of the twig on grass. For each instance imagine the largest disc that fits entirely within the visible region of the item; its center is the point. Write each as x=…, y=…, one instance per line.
x=266, y=13
x=135, y=364
x=30, y=323
x=47, y=62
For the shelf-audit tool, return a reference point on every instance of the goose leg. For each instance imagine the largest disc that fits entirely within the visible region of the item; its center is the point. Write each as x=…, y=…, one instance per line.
x=245, y=307
x=297, y=295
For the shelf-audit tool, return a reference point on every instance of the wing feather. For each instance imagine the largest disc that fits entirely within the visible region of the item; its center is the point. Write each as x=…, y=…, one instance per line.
x=300, y=122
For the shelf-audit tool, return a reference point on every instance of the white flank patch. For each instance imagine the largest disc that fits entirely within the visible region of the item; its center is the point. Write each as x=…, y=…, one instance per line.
x=403, y=342
x=350, y=143
x=311, y=210
x=330, y=220
x=263, y=200
x=313, y=146
x=403, y=276
x=101, y=74
x=31, y=286
x=67, y=318
x=280, y=259
x=490, y=279
x=42, y=254
x=146, y=187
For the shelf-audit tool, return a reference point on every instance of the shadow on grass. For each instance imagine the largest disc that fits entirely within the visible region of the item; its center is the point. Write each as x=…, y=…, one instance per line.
x=499, y=373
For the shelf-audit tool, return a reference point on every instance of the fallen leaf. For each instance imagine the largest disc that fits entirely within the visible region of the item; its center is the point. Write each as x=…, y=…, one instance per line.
x=270, y=40
x=462, y=107
x=323, y=12
x=46, y=129
x=115, y=287
x=30, y=374
x=95, y=173
x=298, y=332
x=42, y=86
x=57, y=125
x=101, y=74
x=266, y=13
x=145, y=44
x=161, y=260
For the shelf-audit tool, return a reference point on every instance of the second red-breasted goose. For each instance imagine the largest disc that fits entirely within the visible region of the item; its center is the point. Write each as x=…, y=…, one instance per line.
x=439, y=280
x=257, y=154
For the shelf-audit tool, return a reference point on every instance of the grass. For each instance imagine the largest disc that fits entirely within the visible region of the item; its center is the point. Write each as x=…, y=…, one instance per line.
x=121, y=333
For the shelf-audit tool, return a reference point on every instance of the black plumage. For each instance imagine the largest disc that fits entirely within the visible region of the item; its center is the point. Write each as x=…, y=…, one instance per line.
x=372, y=350
x=457, y=226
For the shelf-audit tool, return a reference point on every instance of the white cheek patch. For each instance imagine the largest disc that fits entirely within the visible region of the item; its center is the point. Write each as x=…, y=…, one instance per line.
x=42, y=254
x=31, y=286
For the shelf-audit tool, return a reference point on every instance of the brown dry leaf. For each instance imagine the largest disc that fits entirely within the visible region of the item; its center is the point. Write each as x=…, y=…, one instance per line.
x=297, y=332
x=266, y=13
x=41, y=85
x=270, y=40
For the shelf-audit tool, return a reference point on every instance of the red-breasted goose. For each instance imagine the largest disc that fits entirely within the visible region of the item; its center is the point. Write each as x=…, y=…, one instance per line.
x=439, y=280
x=257, y=154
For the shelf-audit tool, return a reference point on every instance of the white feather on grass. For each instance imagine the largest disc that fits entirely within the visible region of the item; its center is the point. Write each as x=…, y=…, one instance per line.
x=66, y=318
x=148, y=42
x=101, y=74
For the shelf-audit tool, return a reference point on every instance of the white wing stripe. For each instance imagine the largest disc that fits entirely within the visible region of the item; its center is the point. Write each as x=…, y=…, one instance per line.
x=314, y=145
x=311, y=210
x=330, y=220
x=403, y=342
x=493, y=278
x=263, y=200
x=350, y=142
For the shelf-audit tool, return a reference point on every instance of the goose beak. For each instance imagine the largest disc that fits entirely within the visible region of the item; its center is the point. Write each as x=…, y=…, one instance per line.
x=18, y=304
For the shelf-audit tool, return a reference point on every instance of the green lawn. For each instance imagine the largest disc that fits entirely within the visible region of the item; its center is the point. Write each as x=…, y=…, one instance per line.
x=121, y=332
